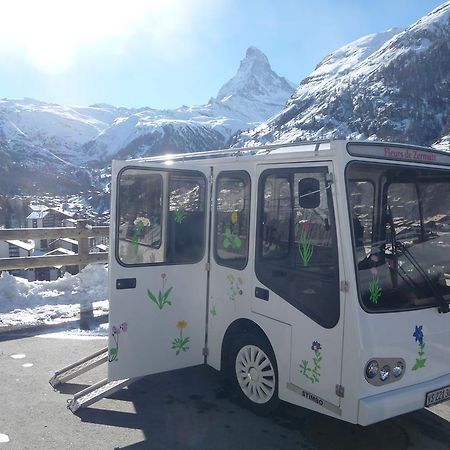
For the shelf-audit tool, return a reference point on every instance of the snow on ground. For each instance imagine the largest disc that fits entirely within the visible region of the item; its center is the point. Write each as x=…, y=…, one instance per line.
x=24, y=303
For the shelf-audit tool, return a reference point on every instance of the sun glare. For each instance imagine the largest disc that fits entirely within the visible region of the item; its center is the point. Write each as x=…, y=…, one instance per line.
x=53, y=32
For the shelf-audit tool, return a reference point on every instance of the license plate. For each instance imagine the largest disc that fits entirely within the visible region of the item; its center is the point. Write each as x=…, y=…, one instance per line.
x=437, y=396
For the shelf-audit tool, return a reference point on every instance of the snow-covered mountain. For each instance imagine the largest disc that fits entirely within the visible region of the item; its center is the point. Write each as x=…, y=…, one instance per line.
x=56, y=141
x=52, y=129
x=254, y=94
x=393, y=86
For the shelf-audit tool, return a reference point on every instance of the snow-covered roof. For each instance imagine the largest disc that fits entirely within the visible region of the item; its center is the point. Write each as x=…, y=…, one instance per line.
x=38, y=207
x=38, y=214
x=59, y=251
x=68, y=214
x=25, y=245
x=68, y=240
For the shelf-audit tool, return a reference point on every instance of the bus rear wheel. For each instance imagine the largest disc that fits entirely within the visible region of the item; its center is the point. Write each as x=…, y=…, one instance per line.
x=253, y=373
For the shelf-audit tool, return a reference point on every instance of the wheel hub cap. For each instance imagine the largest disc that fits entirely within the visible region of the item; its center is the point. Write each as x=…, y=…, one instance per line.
x=255, y=374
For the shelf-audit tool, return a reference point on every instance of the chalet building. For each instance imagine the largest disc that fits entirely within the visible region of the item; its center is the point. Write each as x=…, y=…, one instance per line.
x=49, y=218
x=54, y=272
x=15, y=249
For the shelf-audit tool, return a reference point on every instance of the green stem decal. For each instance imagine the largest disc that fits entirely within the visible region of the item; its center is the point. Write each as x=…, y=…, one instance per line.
x=180, y=215
x=305, y=248
x=163, y=295
x=180, y=343
x=375, y=290
x=312, y=374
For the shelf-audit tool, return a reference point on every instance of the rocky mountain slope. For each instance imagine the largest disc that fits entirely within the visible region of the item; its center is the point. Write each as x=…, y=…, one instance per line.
x=393, y=86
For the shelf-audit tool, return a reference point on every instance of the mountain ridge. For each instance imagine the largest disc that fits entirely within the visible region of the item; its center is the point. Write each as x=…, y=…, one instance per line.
x=397, y=90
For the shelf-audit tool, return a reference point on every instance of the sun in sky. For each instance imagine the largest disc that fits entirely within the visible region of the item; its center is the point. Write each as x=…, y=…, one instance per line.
x=52, y=33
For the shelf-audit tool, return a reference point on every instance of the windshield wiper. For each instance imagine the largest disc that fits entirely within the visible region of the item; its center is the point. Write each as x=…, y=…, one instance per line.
x=397, y=245
x=444, y=307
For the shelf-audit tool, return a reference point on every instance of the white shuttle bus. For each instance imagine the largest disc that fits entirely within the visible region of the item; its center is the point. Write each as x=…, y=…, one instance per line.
x=316, y=273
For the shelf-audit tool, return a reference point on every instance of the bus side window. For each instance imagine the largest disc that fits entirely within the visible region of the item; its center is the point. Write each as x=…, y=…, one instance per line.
x=186, y=218
x=232, y=217
x=296, y=246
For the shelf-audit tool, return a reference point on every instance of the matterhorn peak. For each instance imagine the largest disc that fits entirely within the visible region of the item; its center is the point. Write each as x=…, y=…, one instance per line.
x=255, y=79
x=254, y=58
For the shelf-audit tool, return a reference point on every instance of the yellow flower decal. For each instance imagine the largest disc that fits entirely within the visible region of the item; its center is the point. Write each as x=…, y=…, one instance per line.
x=180, y=343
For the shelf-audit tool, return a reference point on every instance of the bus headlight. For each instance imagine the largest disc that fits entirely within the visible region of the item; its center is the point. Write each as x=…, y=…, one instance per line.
x=397, y=370
x=381, y=371
x=385, y=372
x=372, y=369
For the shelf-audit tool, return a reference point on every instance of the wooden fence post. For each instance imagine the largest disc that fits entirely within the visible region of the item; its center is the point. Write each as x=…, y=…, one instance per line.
x=86, y=308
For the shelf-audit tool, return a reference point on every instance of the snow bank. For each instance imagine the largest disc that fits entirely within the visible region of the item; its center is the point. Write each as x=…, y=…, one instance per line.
x=23, y=302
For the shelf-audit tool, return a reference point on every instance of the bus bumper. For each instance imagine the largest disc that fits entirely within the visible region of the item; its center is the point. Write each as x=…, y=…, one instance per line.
x=400, y=401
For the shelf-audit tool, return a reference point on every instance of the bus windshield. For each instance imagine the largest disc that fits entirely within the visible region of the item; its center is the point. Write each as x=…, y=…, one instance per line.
x=401, y=235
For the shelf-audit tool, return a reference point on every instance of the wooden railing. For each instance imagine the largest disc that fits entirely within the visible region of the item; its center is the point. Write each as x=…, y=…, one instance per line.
x=82, y=232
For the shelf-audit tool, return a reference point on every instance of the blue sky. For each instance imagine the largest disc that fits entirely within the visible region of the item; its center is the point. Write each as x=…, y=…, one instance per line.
x=166, y=53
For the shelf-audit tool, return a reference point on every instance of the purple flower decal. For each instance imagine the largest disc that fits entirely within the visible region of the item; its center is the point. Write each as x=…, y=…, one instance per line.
x=418, y=334
x=316, y=346
x=124, y=327
x=374, y=258
x=115, y=330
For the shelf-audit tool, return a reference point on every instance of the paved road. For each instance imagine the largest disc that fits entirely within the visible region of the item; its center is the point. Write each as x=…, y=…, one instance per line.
x=181, y=410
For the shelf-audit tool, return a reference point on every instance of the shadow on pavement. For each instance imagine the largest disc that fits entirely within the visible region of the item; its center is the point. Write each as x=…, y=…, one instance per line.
x=187, y=410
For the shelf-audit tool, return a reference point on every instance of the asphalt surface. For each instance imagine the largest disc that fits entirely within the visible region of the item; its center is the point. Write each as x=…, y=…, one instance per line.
x=186, y=409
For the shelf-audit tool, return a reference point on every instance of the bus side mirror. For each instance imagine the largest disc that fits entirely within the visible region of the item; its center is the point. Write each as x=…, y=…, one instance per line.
x=309, y=193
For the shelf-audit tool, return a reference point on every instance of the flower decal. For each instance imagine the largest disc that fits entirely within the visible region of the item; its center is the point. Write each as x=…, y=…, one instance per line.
x=420, y=339
x=180, y=343
x=418, y=334
x=305, y=248
x=140, y=224
x=235, y=286
x=180, y=215
x=312, y=374
x=113, y=352
x=163, y=294
x=316, y=346
x=375, y=290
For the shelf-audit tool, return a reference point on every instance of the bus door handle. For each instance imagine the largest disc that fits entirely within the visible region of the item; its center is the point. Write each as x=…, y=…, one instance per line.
x=262, y=293
x=125, y=283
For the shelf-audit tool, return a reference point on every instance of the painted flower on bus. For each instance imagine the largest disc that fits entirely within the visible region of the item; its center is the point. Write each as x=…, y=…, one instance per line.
x=163, y=294
x=235, y=286
x=311, y=371
x=113, y=352
x=140, y=224
x=420, y=339
x=180, y=214
x=231, y=240
x=375, y=290
x=305, y=248
x=180, y=343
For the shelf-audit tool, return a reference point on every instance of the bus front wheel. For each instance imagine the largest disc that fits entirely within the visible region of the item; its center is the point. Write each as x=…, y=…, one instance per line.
x=254, y=375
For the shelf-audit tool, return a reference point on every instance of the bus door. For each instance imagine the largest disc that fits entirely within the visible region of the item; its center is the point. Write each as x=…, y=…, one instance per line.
x=298, y=270
x=158, y=278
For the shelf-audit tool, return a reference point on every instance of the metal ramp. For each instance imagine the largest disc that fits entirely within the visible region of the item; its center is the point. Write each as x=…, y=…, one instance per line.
x=95, y=392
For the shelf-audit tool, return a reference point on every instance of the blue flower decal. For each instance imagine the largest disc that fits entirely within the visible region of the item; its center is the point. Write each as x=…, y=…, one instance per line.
x=316, y=346
x=418, y=334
